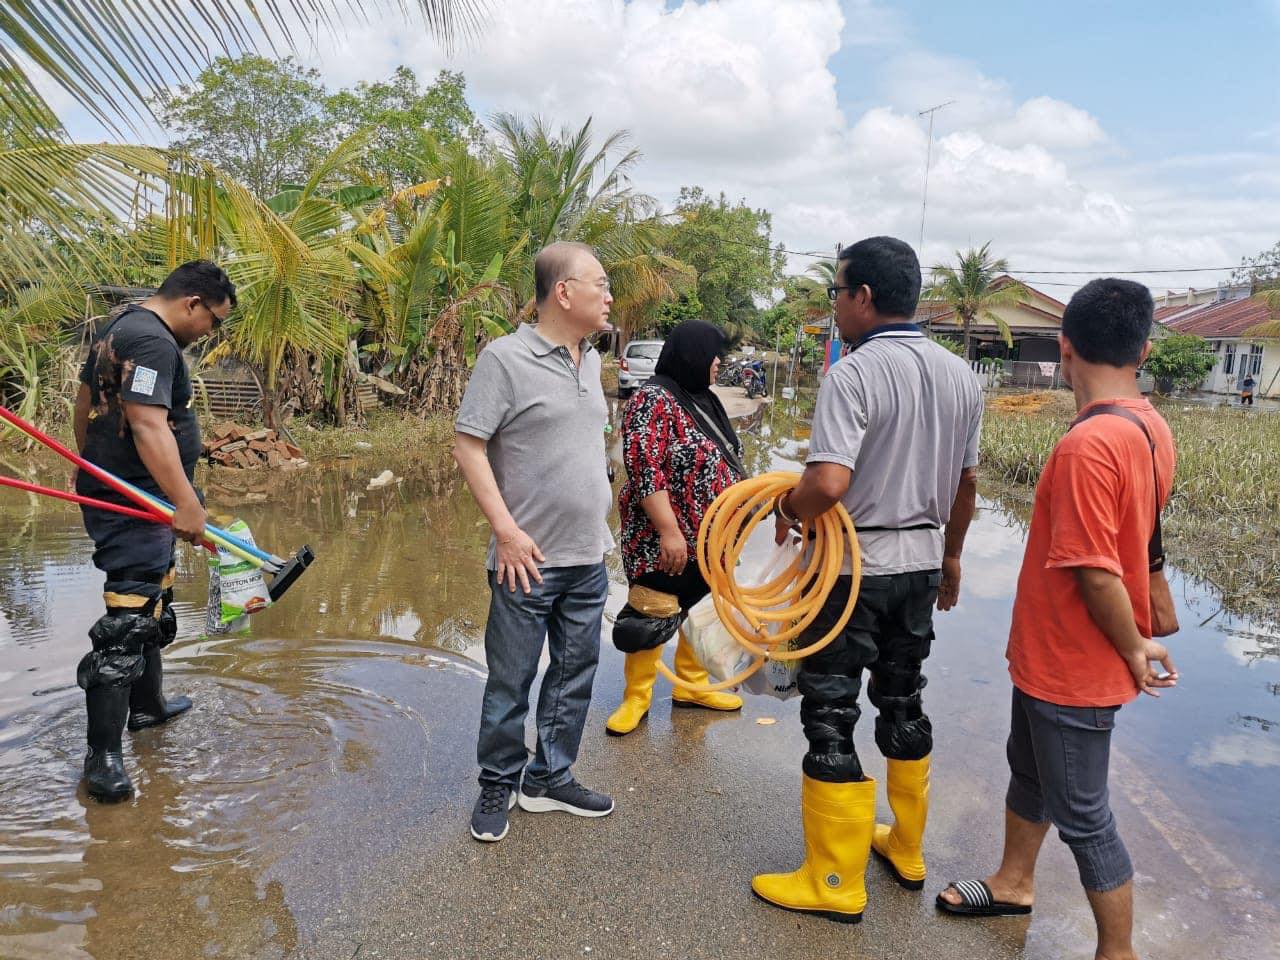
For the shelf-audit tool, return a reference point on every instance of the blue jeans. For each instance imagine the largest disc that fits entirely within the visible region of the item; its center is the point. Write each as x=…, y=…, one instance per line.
x=566, y=610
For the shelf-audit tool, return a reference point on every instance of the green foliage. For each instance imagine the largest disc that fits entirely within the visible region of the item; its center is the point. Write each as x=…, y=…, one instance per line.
x=114, y=58
x=674, y=312
x=1182, y=359
x=973, y=289
x=951, y=345
x=405, y=121
x=260, y=120
x=729, y=247
x=1263, y=269
x=1222, y=522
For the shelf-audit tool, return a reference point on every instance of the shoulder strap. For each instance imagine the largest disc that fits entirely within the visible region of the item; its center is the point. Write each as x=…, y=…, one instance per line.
x=1155, y=546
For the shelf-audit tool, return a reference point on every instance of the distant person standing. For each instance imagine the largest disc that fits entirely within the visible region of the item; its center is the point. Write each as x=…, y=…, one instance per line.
x=1246, y=391
x=530, y=443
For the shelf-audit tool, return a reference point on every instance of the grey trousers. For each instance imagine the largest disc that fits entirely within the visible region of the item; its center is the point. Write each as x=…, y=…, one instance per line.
x=1058, y=760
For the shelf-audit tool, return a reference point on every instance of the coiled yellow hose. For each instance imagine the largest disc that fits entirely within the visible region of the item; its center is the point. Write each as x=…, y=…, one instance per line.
x=793, y=598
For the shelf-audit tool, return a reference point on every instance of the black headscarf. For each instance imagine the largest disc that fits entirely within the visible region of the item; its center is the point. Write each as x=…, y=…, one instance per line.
x=684, y=371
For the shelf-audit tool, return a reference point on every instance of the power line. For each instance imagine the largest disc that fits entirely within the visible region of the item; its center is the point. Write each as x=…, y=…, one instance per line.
x=1116, y=272
x=818, y=255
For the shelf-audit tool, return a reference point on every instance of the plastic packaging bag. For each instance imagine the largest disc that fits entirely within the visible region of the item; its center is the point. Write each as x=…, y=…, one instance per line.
x=722, y=655
x=236, y=587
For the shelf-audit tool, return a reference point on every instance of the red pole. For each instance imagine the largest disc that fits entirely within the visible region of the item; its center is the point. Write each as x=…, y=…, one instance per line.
x=31, y=430
x=91, y=502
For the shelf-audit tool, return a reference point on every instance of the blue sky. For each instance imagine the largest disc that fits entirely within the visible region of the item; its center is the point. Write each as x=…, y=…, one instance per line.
x=1156, y=75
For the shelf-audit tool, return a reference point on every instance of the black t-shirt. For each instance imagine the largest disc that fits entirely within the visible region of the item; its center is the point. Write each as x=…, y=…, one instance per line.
x=134, y=358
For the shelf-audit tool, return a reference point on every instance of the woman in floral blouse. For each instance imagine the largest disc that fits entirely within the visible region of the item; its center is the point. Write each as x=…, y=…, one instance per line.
x=680, y=452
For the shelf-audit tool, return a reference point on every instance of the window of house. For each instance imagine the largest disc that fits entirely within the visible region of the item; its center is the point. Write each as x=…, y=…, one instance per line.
x=1228, y=364
x=1255, y=360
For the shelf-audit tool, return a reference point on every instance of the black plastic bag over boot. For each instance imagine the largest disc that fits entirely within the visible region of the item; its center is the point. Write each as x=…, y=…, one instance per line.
x=147, y=704
x=104, y=773
x=633, y=631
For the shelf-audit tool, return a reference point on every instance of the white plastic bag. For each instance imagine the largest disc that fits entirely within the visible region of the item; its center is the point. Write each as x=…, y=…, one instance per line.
x=722, y=655
x=236, y=587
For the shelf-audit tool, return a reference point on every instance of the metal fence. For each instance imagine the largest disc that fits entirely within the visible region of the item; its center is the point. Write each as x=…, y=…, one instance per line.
x=1018, y=374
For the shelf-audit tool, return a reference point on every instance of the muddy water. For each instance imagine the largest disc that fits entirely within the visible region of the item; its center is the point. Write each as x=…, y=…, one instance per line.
x=224, y=792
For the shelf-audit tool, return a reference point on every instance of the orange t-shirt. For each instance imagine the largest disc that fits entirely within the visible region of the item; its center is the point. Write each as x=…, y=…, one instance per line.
x=1094, y=507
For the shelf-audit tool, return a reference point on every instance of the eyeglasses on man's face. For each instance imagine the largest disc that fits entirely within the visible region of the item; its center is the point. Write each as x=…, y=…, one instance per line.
x=218, y=320
x=833, y=291
x=602, y=284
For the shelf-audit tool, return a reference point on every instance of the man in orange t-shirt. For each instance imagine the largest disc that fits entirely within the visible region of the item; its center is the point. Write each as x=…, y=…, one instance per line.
x=1080, y=645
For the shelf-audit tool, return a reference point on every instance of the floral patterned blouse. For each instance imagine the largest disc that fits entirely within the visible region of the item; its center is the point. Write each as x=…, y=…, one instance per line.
x=664, y=449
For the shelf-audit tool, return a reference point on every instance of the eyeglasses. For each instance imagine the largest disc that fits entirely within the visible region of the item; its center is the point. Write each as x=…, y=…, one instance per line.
x=602, y=284
x=217, y=320
x=834, y=291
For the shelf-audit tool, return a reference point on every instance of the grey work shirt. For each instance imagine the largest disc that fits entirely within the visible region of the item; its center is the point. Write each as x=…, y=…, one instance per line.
x=544, y=421
x=905, y=416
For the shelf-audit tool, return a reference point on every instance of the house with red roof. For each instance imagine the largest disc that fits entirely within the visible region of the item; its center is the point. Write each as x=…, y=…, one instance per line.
x=1225, y=324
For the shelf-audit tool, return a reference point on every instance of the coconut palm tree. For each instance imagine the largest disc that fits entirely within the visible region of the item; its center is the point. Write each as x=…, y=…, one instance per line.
x=973, y=289
x=114, y=60
x=436, y=266
x=566, y=188
x=809, y=292
x=294, y=280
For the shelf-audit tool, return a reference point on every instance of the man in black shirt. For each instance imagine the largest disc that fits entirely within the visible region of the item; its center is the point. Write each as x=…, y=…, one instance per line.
x=132, y=419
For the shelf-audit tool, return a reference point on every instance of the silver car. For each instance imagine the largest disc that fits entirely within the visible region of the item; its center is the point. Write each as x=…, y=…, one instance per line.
x=637, y=364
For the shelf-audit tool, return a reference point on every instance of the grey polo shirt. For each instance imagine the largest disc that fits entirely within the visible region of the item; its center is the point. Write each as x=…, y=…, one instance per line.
x=544, y=421
x=905, y=416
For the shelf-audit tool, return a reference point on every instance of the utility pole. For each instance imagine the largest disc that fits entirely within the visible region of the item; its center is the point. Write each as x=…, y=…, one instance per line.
x=928, y=157
x=831, y=329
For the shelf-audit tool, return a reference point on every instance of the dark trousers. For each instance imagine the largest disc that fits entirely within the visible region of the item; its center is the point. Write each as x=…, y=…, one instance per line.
x=688, y=587
x=1059, y=759
x=135, y=555
x=137, y=558
x=889, y=634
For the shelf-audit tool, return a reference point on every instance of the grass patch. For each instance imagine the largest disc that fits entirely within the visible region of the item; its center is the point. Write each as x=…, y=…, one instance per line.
x=609, y=377
x=1222, y=524
x=389, y=433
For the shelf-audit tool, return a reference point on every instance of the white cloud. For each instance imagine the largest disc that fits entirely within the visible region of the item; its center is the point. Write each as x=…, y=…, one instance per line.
x=1237, y=750
x=739, y=96
x=1053, y=123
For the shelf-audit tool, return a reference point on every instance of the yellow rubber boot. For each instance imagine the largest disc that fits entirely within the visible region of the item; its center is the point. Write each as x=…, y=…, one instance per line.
x=902, y=845
x=688, y=668
x=838, y=822
x=641, y=670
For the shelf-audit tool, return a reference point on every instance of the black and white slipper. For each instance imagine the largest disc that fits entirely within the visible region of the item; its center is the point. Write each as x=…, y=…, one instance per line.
x=978, y=901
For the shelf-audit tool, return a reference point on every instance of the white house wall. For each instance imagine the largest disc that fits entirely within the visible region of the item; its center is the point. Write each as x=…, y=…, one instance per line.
x=1219, y=381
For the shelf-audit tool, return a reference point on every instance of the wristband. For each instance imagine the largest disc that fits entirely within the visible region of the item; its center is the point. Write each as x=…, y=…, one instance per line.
x=782, y=514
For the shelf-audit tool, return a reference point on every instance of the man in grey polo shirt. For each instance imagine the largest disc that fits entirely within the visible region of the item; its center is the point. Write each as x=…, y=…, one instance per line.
x=530, y=443
x=895, y=439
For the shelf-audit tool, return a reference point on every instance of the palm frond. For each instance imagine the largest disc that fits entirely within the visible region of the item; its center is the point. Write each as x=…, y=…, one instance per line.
x=113, y=58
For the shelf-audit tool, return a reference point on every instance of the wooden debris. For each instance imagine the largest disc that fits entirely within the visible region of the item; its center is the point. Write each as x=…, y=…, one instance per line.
x=245, y=448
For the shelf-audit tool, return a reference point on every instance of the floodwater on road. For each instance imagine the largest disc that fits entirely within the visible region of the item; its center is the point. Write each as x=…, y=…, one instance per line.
x=189, y=866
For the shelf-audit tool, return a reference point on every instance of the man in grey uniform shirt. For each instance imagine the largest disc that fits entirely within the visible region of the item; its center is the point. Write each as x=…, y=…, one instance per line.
x=895, y=439
x=530, y=443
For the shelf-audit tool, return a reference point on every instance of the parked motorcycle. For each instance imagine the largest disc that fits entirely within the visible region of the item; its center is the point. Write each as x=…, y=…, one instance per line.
x=744, y=373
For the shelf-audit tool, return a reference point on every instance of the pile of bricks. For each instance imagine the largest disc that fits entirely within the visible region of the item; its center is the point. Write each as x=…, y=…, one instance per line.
x=232, y=445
